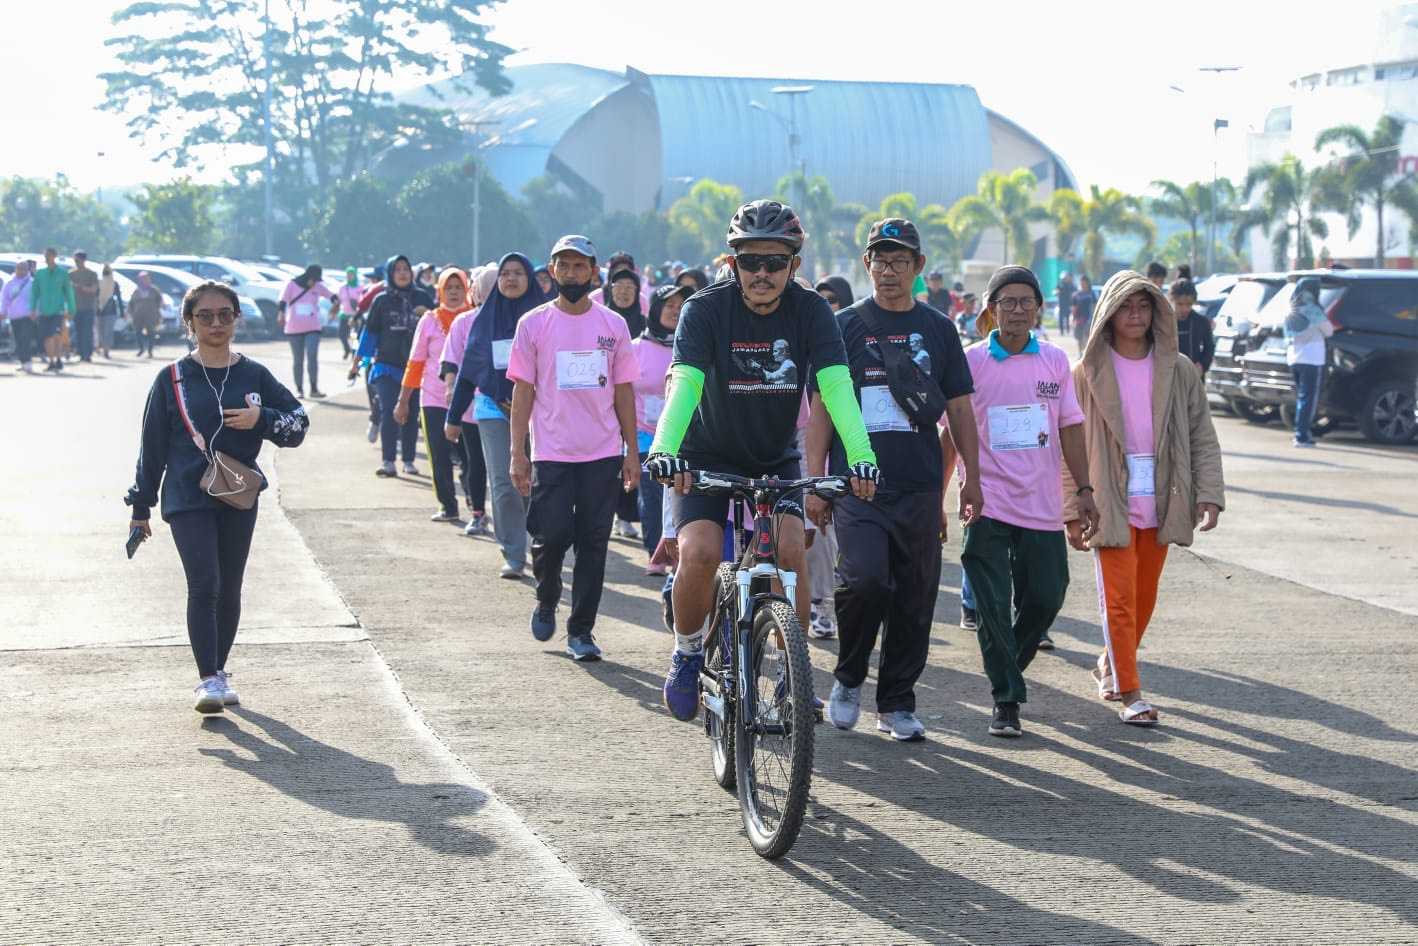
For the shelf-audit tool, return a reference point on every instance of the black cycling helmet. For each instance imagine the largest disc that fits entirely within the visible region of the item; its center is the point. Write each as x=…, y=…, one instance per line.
x=766, y=220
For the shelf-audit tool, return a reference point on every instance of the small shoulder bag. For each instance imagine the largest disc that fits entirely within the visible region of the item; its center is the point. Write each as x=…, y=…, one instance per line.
x=917, y=393
x=227, y=479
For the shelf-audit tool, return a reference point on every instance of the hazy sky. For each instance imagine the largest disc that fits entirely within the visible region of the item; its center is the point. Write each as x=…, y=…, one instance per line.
x=1092, y=79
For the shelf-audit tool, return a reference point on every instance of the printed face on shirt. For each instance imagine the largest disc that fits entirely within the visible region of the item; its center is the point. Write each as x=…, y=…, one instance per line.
x=915, y=345
x=762, y=367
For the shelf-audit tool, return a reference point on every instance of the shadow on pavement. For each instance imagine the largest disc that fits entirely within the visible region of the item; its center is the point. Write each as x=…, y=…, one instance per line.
x=350, y=786
x=1361, y=505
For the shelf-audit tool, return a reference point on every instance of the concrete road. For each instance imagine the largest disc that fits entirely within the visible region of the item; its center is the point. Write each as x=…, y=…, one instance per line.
x=411, y=766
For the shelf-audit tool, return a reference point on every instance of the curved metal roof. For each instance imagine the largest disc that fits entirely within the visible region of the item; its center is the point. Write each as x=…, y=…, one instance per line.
x=869, y=139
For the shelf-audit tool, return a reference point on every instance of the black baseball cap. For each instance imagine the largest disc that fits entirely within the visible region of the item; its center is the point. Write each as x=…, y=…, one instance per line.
x=894, y=230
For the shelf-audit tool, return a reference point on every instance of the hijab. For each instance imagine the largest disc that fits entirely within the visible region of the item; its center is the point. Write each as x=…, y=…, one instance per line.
x=697, y=276
x=310, y=277
x=485, y=281
x=496, y=321
x=106, y=286
x=634, y=318
x=444, y=313
x=840, y=288
x=655, y=330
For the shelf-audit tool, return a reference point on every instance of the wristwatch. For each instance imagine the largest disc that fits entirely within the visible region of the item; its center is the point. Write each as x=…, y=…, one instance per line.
x=1084, y=489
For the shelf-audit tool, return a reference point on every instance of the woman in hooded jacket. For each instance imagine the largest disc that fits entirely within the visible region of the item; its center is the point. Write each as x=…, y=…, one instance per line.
x=654, y=350
x=482, y=386
x=1154, y=464
x=299, y=314
x=622, y=296
x=386, y=341
x=429, y=339
x=469, y=455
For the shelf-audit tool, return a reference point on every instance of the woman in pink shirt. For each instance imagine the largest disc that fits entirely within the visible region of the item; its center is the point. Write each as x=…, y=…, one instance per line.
x=654, y=350
x=299, y=315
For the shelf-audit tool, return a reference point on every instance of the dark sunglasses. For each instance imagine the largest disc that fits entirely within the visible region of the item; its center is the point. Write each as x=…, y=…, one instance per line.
x=210, y=316
x=758, y=262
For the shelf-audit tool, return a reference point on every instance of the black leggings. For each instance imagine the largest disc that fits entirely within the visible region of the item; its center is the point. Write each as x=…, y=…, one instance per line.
x=213, y=545
x=474, y=474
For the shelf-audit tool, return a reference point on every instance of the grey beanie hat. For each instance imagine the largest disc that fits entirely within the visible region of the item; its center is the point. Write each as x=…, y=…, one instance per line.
x=1010, y=275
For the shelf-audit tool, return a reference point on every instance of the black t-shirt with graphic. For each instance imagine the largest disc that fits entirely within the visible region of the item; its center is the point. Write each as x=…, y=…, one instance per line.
x=909, y=457
x=755, y=368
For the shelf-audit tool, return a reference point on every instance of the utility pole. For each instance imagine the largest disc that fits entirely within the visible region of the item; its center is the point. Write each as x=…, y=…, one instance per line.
x=477, y=127
x=1216, y=126
x=266, y=117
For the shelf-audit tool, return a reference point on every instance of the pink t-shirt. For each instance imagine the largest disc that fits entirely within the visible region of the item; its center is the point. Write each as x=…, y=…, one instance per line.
x=428, y=345
x=1135, y=388
x=349, y=297
x=575, y=361
x=452, y=352
x=303, y=307
x=654, y=360
x=1020, y=405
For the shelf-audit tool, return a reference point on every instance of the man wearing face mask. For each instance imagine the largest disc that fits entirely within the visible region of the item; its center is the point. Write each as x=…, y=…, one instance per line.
x=733, y=408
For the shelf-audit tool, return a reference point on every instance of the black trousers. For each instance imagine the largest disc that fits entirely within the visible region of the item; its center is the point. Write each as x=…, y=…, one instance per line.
x=440, y=457
x=572, y=506
x=83, y=334
x=474, y=474
x=26, y=335
x=888, y=569
x=213, y=545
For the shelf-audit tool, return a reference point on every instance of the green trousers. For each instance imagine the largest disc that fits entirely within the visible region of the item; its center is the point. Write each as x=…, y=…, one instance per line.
x=1019, y=577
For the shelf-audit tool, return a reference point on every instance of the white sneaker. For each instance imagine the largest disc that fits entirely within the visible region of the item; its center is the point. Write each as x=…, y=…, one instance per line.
x=373, y=433
x=229, y=697
x=629, y=531
x=410, y=470
x=513, y=572
x=208, y=695
x=26, y=367
x=844, y=706
x=903, y=726
x=821, y=625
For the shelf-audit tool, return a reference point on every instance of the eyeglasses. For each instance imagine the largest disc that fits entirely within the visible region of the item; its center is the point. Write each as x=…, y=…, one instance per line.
x=759, y=262
x=1017, y=304
x=209, y=316
x=897, y=266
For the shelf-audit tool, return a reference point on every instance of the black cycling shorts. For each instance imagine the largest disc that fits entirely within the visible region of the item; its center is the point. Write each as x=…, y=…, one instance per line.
x=716, y=508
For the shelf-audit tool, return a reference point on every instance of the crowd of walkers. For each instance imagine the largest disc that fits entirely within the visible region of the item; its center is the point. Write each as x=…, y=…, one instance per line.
x=560, y=405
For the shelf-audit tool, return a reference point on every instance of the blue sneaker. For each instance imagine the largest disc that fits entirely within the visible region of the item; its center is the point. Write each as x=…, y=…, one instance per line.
x=544, y=622
x=682, y=685
x=583, y=648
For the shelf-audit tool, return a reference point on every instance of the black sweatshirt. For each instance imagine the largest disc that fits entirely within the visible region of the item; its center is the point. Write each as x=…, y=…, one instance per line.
x=168, y=447
x=1196, y=340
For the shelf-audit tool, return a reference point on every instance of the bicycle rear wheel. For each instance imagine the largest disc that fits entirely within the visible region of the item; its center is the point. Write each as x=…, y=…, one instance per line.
x=774, y=758
x=716, y=648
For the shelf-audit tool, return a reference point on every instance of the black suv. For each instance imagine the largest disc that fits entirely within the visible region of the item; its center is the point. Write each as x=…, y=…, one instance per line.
x=1232, y=329
x=1371, y=367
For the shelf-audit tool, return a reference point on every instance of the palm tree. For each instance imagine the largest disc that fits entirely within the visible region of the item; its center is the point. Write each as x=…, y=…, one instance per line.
x=1193, y=204
x=812, y=199
x=699, y=219
x=1366, y=175
x=1103, y=212
x=1004, y=202
x=939, y=239
x=1289, y=194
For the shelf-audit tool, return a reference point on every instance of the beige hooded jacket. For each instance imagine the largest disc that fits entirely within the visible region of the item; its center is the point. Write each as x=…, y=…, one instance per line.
x=1188, y=454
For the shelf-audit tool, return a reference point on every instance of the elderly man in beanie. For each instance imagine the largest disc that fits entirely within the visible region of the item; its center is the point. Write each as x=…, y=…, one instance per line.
x=888, y=561
x=1016, y=556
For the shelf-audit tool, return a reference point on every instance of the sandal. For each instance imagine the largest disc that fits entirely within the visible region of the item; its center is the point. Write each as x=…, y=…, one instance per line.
x=1135, y=714
x=1107, y=688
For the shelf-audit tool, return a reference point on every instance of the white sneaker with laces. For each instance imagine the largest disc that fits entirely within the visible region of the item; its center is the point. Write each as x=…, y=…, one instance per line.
x=844, y=706
x=410, y=470
x=821, y=626
x=373, y=433
x=229, y=697
x=902, y=725
x=208, y=695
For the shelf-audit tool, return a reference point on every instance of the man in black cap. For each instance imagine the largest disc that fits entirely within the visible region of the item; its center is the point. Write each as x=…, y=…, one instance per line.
x=1028, y=419
x=937, y=296
x=889, y=549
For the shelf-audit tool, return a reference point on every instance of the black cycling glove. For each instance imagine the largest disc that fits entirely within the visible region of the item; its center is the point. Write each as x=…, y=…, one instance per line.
x=664, y=466
x=866, y=471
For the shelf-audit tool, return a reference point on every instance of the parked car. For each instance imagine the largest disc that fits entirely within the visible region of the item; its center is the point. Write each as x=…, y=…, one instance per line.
x=1231, y=328
x=234, y=273
x=174, y=284
x=1372, y=365
x=125, y=286
x=1211, y=293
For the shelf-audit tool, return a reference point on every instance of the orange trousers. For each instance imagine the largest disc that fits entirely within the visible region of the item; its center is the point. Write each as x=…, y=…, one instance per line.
x=1127, y=595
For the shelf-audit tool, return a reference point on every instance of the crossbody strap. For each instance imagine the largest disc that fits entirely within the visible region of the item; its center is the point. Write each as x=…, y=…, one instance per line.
x=180, y=397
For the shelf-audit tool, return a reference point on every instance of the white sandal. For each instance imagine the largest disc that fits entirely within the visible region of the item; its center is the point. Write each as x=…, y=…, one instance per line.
x=1107, y=688
x=1135, y=714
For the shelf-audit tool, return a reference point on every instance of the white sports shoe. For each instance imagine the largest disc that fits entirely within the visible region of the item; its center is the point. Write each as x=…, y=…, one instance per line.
x=209, y=695
x=229, y=697
x=902, y=725
x=410, y=470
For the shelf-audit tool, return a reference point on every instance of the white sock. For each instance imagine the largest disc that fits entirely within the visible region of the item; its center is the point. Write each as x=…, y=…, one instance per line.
x=689, y=643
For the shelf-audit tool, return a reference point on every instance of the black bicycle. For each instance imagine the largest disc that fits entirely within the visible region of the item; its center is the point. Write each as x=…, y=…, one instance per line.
x=756, y=685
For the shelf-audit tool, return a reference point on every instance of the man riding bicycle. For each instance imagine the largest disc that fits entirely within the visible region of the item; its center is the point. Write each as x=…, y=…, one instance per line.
x=732, y=408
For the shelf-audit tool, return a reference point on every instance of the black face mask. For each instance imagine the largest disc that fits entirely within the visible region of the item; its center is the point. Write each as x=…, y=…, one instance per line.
x=574, y=292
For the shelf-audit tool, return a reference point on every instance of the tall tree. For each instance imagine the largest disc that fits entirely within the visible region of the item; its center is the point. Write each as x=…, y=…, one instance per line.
x=1366, y=175
x=813, y=200
x=1094, y=218
x=174, y=218
x=1003, y=202
x=699, y=220
x=1193, y=205
x=192, y=75
x=435, y=210
x=35, y=214
x=1285, y=211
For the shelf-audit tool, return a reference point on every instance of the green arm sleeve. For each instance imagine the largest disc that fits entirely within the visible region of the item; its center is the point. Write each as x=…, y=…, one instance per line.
x=840, y=399
x=686, y=388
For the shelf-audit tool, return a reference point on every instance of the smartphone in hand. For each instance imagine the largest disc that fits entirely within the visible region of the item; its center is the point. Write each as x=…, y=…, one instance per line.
x=135, y=539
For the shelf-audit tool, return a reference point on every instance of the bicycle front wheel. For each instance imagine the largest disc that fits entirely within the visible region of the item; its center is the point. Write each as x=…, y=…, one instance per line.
x=774, y=752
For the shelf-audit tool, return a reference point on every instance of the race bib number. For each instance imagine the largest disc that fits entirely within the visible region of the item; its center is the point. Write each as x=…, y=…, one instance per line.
x=881, y=411
x=304, y=309
x=502, y=353
x=654, y=407
x=1142, y=474
x=581, y=370
x=1019, y=427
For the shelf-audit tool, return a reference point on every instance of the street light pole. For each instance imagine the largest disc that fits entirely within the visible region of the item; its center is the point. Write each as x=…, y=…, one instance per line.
x=1216, y=125
x=266, y=120
x=477, y=127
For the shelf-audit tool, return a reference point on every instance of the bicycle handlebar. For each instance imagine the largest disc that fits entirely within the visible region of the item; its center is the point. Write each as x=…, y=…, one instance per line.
x=708, y=483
